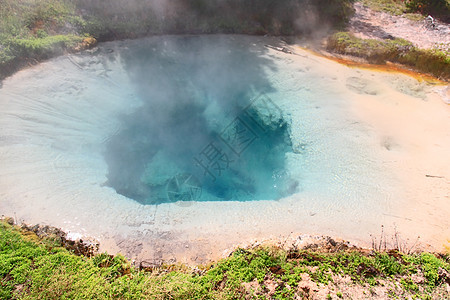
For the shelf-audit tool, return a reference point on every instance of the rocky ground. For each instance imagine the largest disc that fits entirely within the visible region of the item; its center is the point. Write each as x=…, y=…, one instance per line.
x=341, y=286
x=278, y=280
x=367, y=23
x=78, y=246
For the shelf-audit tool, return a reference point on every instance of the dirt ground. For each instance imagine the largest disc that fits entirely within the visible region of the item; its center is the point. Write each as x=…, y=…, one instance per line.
x=367, y=23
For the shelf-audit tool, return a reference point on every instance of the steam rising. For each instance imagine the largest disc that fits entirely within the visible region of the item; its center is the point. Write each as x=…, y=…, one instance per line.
x=73, y=123
x=191, y=89
x=133, y=18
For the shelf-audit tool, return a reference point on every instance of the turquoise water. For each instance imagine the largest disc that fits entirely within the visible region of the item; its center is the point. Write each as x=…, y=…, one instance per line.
x=200, y=118
x=90, y=141
x=206, y=129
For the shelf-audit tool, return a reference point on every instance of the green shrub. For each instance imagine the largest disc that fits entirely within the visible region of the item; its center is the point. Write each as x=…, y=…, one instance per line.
x=438, y=8
x=430, y=265
x=44, y=47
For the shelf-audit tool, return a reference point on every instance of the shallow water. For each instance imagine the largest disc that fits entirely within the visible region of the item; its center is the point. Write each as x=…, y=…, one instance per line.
x=179, y=147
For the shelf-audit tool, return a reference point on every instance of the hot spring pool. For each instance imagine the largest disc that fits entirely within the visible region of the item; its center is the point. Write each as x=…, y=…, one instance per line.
x=179, y=147
x=206, y=129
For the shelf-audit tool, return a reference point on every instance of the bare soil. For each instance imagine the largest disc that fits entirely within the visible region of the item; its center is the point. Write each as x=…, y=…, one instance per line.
x=367, y=23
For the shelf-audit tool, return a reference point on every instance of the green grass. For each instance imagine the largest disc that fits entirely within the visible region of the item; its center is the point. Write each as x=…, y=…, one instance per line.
x=42, y=47
x=30, y=27
x=435, y=62
x=36, y=30
x=412, y=9
x=389, y=6
x=38, y=269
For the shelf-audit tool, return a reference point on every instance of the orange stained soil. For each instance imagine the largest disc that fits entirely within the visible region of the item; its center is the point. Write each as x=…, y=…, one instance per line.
x=388, y=67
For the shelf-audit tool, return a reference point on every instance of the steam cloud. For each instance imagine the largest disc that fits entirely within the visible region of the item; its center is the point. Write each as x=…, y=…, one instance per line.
x=191, y=88
x=289, y=17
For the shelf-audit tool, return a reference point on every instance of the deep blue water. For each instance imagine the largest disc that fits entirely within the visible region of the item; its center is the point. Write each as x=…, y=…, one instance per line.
x=206, y=130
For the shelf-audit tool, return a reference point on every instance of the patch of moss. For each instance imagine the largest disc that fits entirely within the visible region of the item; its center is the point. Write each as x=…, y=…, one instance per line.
x=435, y=62
x=44, y=47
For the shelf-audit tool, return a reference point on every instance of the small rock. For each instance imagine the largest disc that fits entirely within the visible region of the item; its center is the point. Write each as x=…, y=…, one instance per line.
x=444, y=275
x=8, y=220
x=332, y=242
x=148, y=266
